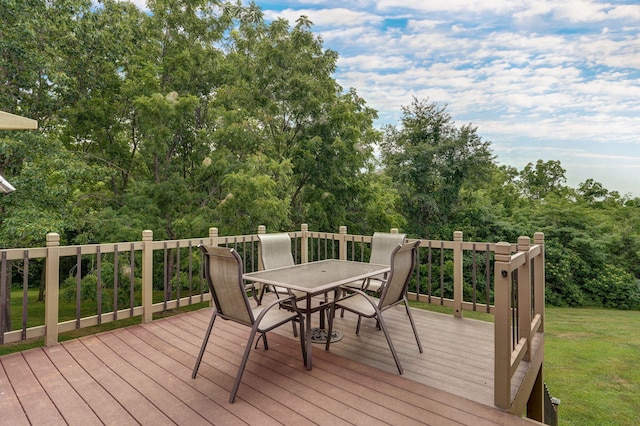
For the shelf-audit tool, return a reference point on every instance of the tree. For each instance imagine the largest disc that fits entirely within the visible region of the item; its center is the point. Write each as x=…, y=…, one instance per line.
x=430, y=160
x=544, y=178
x=281, y=101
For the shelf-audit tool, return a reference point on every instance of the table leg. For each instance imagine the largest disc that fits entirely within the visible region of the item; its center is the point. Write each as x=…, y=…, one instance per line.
x=308, y=333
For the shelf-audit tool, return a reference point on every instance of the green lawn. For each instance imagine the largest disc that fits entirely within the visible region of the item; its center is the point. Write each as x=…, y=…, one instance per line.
x=592, y=359
x=67, y=311
x=592, y=363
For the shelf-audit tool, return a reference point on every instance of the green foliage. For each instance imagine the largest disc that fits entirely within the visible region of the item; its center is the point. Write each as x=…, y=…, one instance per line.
x=614, y=287
x=202, y=114
x=430, y=161
x=90, y=290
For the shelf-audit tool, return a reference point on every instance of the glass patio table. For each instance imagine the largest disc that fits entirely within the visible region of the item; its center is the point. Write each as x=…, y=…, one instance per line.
x=316, y=278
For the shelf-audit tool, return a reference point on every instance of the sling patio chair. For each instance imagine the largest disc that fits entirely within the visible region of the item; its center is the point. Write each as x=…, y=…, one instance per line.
x=275, y=252
x=223, y=272
x=382, y=244
x=394, y=292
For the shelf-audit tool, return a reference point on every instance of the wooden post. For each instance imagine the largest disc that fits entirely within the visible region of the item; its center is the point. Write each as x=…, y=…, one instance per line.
x=539, y=280
x=147, y=276
x=457, y=274
x=502, y=326
x=261, y=231
x=524, y=296
x=213, y=240
x=535, y=403
x=213, y=236
x=52, y=289
x=304, y=243
x=5, y=296
x=342, y=243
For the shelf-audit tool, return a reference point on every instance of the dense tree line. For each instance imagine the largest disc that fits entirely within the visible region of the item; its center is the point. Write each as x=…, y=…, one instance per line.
x=201, y=113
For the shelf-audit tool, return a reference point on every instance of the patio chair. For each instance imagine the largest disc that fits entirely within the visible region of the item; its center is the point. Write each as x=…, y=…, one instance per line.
x=275, y=252
x=223, y=272
x=382, y=244
x=394, y=292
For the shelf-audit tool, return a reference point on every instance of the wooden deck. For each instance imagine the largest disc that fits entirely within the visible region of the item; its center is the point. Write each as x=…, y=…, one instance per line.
x=142, y=375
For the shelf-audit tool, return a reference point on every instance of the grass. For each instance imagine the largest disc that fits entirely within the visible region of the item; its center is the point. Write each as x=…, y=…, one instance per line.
x=591, y=358
x=67, y=311
x=591, y=363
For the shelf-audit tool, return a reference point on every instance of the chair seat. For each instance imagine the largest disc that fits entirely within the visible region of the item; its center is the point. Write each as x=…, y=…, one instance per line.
x=318, y=302
x=394, y=292
x=273, y=317
x=297, y=294
x=358, y=304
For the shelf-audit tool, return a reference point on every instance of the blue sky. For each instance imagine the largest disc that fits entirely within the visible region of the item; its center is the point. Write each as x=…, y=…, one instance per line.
x=541, y=79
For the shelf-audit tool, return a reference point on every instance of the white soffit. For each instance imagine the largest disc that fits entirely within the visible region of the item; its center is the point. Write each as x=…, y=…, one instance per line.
x=15, y=122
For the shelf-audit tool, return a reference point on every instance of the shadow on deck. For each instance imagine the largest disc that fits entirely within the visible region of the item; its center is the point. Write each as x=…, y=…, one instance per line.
x=142, y=374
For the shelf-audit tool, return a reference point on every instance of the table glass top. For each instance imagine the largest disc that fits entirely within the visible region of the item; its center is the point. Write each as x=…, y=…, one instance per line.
x=318, y=276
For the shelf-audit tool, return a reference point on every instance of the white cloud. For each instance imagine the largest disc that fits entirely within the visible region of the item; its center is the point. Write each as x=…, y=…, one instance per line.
x=449, y=6
x=338, y=17
x=542, y=79
x=626, y=11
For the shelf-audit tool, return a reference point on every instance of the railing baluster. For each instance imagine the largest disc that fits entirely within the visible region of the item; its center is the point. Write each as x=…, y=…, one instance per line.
x=190, y=251
x=442, y=273
x=488, y=278
x=474, y=280
x=115, y=282
x=165, y=279
x=132, y=281
x=429, y=271
x=3, y=296
x=25, y=293
x=178, y=282
x=99, y=267
x=78, y=286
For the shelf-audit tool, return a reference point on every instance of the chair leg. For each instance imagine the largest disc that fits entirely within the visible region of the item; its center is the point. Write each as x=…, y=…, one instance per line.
x=413, y=324
x=204, y=344
x=393, y=349
x=303, y=343
x=262, y=336
x=358, y=326
x=263, y=287
x=332, y=312
x=243, y=364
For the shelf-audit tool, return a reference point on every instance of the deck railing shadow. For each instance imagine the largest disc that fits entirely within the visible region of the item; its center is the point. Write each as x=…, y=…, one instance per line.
x=100, y=283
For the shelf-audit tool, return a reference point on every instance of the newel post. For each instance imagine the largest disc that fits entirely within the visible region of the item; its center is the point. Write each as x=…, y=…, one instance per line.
x=502, y=326
x=261, y=231
x=213, y=236
x=539, y=279
x=524, y=296
x=304, y=243
x=342, y=243
x=52, y=289
x=147, y=276
x=457, y=274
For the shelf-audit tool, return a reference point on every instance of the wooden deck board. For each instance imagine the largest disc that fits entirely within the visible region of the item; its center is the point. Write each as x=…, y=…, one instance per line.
x=35, y=402
x=69, y=403
x=142, y=374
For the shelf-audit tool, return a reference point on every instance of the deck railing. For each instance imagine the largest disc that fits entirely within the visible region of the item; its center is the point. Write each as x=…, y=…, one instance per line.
x=109, y=282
